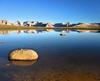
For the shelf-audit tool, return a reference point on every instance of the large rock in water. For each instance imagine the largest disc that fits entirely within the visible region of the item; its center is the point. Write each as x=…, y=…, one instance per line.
x=23, y=54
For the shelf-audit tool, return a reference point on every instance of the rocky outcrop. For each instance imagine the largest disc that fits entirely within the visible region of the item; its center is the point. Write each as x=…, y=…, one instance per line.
x=49, y=25
x=88, y=25
x=23, y=55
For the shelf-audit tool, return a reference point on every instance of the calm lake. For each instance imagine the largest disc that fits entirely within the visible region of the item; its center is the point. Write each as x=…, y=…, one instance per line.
x=64, y=55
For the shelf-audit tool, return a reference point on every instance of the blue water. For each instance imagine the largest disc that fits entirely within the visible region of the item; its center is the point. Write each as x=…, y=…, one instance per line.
x=61, y=53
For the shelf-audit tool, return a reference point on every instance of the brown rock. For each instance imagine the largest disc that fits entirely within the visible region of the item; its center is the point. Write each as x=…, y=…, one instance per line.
x=23, y=54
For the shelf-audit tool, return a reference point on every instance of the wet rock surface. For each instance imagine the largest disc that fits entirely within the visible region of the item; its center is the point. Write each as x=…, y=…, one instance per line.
x=23, y=55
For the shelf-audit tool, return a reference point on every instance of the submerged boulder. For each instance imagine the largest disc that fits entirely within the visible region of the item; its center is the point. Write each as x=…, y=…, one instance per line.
x=23, y=55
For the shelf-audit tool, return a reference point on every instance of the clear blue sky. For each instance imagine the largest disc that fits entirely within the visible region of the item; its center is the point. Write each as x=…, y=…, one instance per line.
x=51, y=10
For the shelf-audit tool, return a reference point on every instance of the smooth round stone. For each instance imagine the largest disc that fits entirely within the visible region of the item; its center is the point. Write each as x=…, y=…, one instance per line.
x=23, y=55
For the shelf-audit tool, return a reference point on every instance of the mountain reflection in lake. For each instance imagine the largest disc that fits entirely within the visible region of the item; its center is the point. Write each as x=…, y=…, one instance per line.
x=72, y=56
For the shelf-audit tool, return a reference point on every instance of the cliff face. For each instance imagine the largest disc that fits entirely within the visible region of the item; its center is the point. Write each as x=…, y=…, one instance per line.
x=5, y=22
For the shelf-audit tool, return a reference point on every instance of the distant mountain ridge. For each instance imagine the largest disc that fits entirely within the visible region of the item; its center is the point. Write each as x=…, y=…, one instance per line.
x=46, y=24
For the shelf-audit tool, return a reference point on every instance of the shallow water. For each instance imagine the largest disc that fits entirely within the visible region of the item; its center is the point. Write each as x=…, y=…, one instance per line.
x=64, y=55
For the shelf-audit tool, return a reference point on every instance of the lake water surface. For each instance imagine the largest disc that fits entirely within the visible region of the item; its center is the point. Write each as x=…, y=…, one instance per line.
x=64, y=55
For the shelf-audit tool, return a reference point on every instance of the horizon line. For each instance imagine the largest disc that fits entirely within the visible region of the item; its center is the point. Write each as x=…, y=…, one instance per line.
x=45, y=21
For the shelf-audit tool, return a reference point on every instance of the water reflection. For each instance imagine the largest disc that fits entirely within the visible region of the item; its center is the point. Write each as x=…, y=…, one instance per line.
x=1, y=42
x=5, y=32
x=22, y=63
x=62, y=32
x=49, y=30
x=90, y=31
